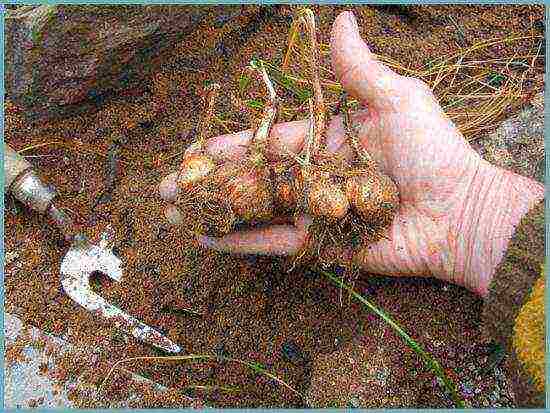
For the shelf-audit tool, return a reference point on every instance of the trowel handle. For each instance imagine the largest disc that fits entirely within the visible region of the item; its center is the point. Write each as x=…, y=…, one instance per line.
x=14, y=165
x=24, y=184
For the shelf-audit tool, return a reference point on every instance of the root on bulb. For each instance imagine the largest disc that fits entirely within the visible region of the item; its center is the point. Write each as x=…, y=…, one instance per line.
x=350, y=202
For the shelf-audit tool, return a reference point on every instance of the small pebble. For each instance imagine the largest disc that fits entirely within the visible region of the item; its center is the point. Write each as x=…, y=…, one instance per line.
x=222, y=50
x=467, y=389
x=291, y=352
x=308, y=273
x=251, y=259
x=382, y=375
x=10, y=256
x=116, y=251
x=494, y=396
x=146, y=124
x=162, y=232
x=354, y=403
x=221, y=351
x=102, y=131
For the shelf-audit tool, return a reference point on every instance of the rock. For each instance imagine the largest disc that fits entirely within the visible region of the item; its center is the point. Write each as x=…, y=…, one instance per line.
x=221, y=351
x=354, y=403
x=518, y=143
x=10, y=256
x=60, y=55
x=292, y=352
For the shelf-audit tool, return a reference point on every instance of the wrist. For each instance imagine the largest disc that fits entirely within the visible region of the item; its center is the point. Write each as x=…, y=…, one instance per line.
x=494, y=203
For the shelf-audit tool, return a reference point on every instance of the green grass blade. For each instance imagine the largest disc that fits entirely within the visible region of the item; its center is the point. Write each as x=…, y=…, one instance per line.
x=254, y=366
x=254, y=104
x=283, y=80
x=432, y=363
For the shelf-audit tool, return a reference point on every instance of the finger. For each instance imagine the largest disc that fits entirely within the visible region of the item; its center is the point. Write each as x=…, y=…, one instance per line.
x=360, y=73
x=285, y=138
x=168, y=189
x=272, y=240
x=336, y=141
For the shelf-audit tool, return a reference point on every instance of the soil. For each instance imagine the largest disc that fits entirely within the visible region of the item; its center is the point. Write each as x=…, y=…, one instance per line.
x=239, y=307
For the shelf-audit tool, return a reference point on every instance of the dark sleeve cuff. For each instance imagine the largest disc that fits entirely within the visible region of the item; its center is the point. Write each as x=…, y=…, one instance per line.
x=515, y=275
x=511, y=286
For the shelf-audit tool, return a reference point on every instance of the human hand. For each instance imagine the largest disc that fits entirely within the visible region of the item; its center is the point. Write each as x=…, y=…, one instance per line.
x=457, y=212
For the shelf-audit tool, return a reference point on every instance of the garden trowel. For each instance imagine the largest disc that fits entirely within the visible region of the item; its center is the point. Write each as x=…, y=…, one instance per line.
x=84, y=258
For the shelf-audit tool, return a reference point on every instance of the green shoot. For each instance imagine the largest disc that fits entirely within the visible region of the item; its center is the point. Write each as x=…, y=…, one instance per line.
x=430, y=362
x=244, y=82
x=255, y=104
x=283, y=80
x=496, y=79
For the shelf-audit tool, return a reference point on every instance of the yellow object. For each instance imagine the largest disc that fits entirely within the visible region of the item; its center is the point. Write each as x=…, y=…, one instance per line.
x=529, y=334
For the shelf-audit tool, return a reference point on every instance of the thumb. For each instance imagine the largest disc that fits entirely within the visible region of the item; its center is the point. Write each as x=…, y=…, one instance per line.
x=361, y=75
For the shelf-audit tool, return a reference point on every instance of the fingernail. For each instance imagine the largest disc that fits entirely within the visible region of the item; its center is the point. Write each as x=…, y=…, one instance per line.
x=168, y=188
x=352, y=20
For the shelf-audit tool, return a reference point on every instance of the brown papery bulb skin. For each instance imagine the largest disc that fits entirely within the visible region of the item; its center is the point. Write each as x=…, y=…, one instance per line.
x=285, y=195
x=194, y=168
x=249, y=196
x=374, y=196
x=286, y=186
x=327, y=199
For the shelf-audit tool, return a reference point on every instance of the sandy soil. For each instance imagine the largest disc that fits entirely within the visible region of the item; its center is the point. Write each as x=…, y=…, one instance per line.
x=296, y=324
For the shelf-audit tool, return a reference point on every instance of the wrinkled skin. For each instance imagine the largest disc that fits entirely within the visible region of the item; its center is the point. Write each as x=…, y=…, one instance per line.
x=451, y=223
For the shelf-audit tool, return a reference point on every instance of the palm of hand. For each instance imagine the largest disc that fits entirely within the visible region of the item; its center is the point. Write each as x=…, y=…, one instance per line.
x=404, y=130
x=406, y=138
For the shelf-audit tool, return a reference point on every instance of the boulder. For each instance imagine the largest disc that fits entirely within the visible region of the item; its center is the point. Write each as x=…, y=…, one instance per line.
x=60, y=55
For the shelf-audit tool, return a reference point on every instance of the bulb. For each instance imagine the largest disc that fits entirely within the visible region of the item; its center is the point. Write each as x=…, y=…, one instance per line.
x=194, y=168
x=249, y=195
x=326, y=198
x=374, y=196
x=286, y=186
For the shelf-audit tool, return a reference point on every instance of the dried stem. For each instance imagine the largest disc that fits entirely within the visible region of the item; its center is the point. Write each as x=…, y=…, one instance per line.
x=269, y=116
x=205, y=125
x=306, y=156
x=319, y=104
x=361, y=152
x=206, y=122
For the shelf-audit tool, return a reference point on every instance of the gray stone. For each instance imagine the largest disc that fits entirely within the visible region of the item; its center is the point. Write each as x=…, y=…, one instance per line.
x=518, y=143
x=60, y=55
x=25, y=385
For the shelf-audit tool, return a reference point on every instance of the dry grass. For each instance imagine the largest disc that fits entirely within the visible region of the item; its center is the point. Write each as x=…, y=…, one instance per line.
x=256, y=367
x=474, y=92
